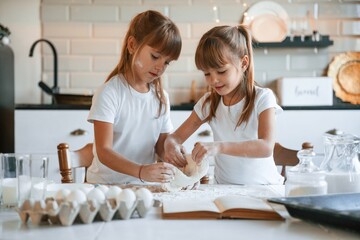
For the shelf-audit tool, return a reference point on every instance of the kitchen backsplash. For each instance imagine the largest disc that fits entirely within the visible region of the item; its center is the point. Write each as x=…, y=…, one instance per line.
x=88, y=36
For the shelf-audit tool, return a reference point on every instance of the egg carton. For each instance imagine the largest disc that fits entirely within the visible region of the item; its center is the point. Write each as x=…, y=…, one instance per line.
x=52, y=211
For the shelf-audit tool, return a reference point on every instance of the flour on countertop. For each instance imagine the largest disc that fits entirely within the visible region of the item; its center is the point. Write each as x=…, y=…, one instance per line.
x=213, y=191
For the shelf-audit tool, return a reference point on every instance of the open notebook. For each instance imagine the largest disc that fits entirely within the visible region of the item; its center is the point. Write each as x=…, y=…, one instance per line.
x=230, y=206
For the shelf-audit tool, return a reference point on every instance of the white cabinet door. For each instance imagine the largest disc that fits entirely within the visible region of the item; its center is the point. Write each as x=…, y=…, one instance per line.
x=297, y=126
x=40, y=131
x=178, y=117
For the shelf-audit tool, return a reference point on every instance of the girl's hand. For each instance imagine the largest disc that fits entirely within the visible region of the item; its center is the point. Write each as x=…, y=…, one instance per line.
x=193, y=187
x=157, y=172
x=174, y=154
x=203, y=150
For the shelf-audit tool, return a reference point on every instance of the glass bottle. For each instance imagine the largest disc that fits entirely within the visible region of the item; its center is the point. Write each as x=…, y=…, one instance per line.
x=341, y=162
x=305, y=178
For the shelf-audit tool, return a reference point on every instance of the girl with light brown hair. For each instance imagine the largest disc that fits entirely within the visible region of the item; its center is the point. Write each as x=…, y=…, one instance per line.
x=240, y=114
x=131, y=111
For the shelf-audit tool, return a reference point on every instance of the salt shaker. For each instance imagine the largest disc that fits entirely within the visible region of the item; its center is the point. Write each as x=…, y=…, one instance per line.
x=305, y=178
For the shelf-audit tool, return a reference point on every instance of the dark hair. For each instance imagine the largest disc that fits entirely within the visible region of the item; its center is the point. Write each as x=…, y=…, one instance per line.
x=157, y=31
x=222, y=45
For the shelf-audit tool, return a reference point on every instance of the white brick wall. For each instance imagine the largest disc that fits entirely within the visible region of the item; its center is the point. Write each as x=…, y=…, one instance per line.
x=88, y=35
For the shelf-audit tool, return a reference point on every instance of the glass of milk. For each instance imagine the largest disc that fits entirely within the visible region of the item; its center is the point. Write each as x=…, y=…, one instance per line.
x=22, y=177
x=39, y=165
x=32, y=177
x=9, y=177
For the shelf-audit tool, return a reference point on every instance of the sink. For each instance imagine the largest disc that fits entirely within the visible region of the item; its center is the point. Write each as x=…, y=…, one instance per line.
x=58, y=95
x=72, y=99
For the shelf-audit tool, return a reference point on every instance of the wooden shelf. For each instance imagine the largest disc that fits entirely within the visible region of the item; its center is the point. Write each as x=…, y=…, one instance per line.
x=307, y=43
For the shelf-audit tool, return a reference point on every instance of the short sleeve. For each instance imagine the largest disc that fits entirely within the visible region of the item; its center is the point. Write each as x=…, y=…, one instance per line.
x=198, y=108
x=265, y=100
x=104, y=104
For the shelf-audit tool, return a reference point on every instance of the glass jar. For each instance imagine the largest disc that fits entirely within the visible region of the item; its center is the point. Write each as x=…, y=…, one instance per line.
x=305, y=178
x=341, y=162
x=302, y=184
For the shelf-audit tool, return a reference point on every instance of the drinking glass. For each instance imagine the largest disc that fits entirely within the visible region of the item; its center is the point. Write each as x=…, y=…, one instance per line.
x=10, y=170
x=39, y=165
x=23, y=176
x=33, y=174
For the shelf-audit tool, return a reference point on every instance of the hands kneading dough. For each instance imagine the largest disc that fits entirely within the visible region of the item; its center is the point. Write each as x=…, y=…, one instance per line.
x=191, y=174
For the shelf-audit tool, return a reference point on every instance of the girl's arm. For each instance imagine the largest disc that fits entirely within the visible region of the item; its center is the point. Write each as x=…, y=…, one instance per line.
x=159, y=147
x=259, y=148
x=159, y=172
x=174, y=151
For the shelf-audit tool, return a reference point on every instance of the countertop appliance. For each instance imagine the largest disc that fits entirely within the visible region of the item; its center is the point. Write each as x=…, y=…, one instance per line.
x=7, y=99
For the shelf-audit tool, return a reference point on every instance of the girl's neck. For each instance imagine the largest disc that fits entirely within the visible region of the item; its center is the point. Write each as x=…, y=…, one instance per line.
x=137, y=85
x=232, y=98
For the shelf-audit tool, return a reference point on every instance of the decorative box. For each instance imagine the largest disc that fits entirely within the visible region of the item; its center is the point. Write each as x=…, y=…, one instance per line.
x=305, y=91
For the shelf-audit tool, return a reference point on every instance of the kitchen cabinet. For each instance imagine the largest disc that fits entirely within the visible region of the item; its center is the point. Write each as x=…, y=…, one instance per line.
x=297, y=126
x=40, y=131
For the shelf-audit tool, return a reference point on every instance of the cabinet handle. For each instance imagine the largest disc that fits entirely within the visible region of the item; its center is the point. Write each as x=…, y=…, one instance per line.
x=78, y=132
x=205, y=133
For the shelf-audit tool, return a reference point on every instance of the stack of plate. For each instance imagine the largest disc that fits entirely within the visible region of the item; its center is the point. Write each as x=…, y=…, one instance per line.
x=344, y=69
x=267, y=21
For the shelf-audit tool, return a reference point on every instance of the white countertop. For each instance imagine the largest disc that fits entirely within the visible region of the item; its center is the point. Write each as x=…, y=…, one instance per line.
x=153, y=227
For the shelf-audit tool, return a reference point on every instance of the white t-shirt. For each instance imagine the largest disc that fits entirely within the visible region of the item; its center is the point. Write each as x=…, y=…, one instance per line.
x=241, y=170
x=136, y=126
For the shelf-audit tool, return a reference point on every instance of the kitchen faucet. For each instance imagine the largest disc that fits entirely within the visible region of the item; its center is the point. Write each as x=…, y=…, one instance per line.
x=55, y=88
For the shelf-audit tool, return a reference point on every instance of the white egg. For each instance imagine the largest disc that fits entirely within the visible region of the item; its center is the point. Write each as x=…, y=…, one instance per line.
x=113, y=193
x=128, y=196
x=103, y=188
x=145, y=195
x=97, y=195
x=76, y=196
x=62, y=194
x=86, y=190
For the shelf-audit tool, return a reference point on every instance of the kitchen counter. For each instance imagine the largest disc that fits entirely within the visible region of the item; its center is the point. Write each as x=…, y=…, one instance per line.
x=154, y=227
x=50, y=107
x=338, y=105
